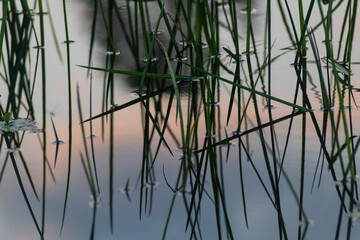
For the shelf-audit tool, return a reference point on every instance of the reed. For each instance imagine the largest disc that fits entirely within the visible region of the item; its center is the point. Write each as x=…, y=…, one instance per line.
x=204, y=49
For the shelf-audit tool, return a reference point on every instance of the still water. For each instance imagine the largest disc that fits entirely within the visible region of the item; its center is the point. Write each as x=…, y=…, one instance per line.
x=131, y=208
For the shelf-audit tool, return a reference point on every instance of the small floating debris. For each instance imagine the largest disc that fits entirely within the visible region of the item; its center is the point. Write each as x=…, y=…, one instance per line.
x=248, y=53
x=183, y=43
x=215, y=104
x=197, y=79
x=30, y=12
x=123, y=7
x=245, y=11
x=91, y=136
x=219, y=2
x=136, y=93
x=216, y=56
x=240, y=60
x=176, y=59
x=211, y=136
x=114, y=105
x=306, y=222
x=234, y=61
x=157, y=33
x=38, y=47
x=185, y=153
x=36, y=131
x=269, y=107
x=68, y=42
x=182, y=191
x=288, y=48
x=294, y=64
x=97, y=201
x=346, y=180
x=41, y=13
x=56, y=142
x=152, y=184
x=13, y=150
x=226, y=144
x=322, y=109
x=236, y=133
x=116, y=53
x=152, y=60
x=355, y=216
x=204, y=45
x=18, y=12
x=180, y=149
x=127, y=189
x=330, y=41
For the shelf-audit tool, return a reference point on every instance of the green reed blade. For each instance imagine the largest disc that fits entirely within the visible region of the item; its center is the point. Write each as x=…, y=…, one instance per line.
x=249, y=89
x=92, y=37
x=142, y=74
x=244, y=133
x=3, y=25
x=67, y=37
x=53, y=32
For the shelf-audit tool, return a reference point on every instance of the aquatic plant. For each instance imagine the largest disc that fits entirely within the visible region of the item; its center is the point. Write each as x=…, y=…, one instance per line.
x=19, y=124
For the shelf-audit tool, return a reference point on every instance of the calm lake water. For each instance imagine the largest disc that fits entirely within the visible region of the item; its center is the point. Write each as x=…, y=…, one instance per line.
x=119, y=141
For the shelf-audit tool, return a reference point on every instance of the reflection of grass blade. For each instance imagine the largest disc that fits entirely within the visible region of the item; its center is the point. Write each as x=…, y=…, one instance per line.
x=164, y=126
x=88, y=169
x=84, y=142
x=228, y=146
x=22, y=187
x=138, y=100
x=339, y=151
x=242, y=178
x=256, y=171
x=157, y=128
x=4, y=167
x=91, y=186
x=92, y=136
x=57, y=141
x=127, y=189
x=29, y=175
